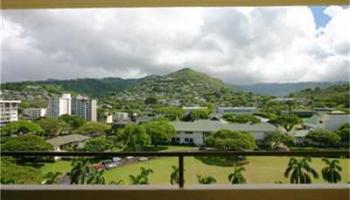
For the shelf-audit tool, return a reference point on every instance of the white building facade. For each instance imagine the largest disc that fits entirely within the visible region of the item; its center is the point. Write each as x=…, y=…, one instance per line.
x=85, y=108
x=8, y=111
x=34, y=113
x=58, y=106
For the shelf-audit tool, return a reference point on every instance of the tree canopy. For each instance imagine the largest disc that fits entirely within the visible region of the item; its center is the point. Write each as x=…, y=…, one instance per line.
x=25, y=143
x=197, y=114
x=244, y=118
x=323, y=138
x=93, y=128
x=73, y=120
x=287, y=121
x=98, y=144
x=134, y=136
x=53, y=127
x=159, y=131
x=21, y=127
x=171, y=113
x=231, y=140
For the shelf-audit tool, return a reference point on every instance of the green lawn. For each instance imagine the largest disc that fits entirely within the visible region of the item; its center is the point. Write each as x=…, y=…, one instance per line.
x=267, y=169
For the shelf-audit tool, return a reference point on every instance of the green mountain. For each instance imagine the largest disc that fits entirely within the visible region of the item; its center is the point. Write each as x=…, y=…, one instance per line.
x=332, y=96
x=183, y=84
x=283, y=89
x=87, y=86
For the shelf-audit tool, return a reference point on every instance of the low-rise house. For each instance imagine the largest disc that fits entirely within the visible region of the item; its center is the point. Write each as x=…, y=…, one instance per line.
x=68, y=141
x=195, y=132
x=329, y=121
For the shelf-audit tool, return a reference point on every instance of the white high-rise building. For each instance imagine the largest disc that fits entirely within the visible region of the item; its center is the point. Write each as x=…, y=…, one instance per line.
x=84, y=107
x=8, y=111
x=34, y=113
x=59, y=105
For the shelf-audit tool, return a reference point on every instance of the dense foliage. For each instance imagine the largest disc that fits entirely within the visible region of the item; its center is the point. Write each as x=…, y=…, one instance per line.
x=231, y=140
x=243, y=118
x=300, y=170
x=323, y=138
x=20, y=127
x=11, y=173
x=53, y=126
x=93, y=128
x=25, y=143
x=99, y=144
x=159, y=131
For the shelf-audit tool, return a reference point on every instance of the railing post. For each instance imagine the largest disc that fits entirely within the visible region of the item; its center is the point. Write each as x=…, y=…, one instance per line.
x=181, y=171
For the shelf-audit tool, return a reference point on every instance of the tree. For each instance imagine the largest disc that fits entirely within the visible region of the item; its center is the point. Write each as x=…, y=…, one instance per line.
x=300, y=170
x=171, y=113
x=323, y=138
x=79, y=171
x=142, y=178
x=51, y=177
x=159, y=131
x=237, y=177
x=20, y=127
x=174, y=176
x=287, y=121
x=231, y=140
x=25, y=143
x=198, y=114
x=53, y=126
x=98, y=144
x=12, y=173
x=151, y=100
x=206, y=179
x=73, y=120
x=83, y=173
x=241, y=118
x=134, y=136
x=331, y=173
x=344, y=134
x=93, y=128
x=278, y=139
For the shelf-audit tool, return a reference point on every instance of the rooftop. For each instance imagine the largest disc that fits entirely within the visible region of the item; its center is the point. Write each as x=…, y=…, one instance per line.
x=62, y=140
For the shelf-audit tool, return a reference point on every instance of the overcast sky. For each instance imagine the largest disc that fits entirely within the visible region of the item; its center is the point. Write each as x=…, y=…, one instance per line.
x=237, y=45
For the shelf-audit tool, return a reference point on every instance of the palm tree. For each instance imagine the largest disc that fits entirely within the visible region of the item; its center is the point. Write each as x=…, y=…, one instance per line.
x=95, y=177
x=330, y=173
x=51, y=177
x=79, y=172
x=206, y=179
x=299, y=171
x=237, y=177
x=174, y=176
x=142, y=178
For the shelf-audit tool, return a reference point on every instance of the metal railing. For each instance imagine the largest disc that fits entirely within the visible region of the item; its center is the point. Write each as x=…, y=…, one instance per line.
x=181, y=155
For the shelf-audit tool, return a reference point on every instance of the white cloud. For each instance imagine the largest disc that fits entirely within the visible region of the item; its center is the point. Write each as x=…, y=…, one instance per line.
x=238, y=45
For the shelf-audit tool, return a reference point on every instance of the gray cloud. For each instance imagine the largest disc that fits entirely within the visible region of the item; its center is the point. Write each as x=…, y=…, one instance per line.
x=236, y=45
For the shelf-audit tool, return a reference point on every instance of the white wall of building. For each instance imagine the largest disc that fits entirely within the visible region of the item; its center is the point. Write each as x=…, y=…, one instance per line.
x=8, y=111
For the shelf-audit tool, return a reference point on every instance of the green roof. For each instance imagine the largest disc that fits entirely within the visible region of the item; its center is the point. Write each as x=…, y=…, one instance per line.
x=62, y=140
x=212, y=126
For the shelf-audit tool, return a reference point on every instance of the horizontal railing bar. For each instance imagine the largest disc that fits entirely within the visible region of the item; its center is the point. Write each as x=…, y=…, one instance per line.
x=324, y=153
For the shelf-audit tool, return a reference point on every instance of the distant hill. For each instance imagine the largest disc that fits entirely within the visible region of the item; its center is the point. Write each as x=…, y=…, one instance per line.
x=332, y=96
x=87, y=86
x=183, y=84
x=283, y=89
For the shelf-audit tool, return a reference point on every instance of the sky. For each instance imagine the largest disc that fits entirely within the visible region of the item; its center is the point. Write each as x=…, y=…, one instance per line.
x=237, y=45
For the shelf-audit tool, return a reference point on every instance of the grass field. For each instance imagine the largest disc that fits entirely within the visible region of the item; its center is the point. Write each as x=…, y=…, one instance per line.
x=267, y=169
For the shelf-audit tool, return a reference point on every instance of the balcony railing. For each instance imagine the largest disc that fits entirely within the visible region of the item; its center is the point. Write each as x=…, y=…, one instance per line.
x=181, y=155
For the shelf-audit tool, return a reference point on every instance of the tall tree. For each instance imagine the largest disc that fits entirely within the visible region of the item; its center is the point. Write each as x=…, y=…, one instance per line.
x=237, y=177
x=134, y=137
x=331, y=173
x=279, y=139
x=73, y=120
x=98, y=144
x=323, y=138
x=53, y=126
x=159, y=131
x=300, y=170
x=287, y=121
